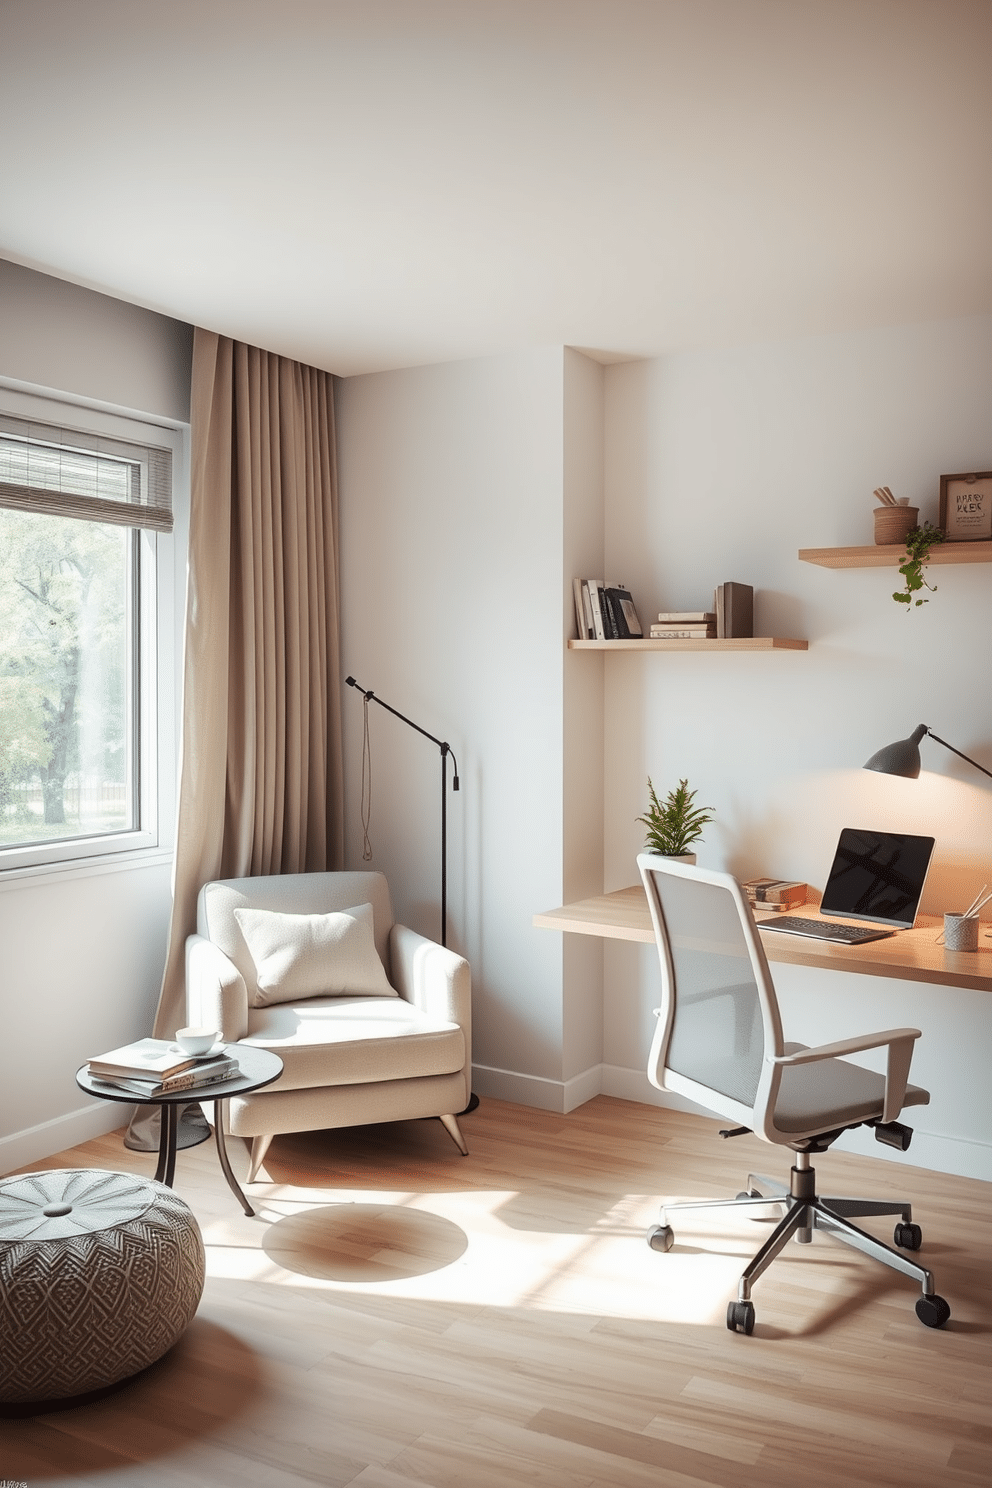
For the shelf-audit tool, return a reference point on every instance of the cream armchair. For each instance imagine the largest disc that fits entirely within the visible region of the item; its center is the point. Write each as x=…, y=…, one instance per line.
x=398, y=1048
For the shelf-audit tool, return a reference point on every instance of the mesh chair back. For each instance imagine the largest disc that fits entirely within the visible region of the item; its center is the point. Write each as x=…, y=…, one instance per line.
x=718, y=1012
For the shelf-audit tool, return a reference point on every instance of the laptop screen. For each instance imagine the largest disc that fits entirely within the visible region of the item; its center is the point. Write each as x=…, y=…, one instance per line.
x=877, y=876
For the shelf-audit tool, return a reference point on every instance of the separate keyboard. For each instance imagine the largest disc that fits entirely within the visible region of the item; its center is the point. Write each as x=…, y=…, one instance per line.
x=820, y=930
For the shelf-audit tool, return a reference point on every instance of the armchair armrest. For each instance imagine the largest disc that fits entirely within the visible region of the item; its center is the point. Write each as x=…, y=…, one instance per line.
x=216, y=995
x=900, y=1043
x=434, y=979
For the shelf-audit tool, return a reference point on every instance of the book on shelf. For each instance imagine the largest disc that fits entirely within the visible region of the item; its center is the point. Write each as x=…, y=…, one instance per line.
x=205, y=1073
x=607, y=611
x=775, y=893
x=734, y=607
x=147, y=1058
x=583, y=611
x=682, y=632
x=687, y=617
x=594, y=588
x=623, y=615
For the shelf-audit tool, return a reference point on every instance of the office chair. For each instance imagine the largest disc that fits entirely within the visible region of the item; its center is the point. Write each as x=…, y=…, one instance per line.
x=719, y=1042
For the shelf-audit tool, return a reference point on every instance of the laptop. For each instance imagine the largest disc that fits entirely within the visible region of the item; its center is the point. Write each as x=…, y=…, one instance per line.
x=876, y=876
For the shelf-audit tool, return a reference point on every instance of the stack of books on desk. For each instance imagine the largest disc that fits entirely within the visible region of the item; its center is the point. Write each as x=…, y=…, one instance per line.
x=684, y=625
x=775, y=893
x=152, y=1067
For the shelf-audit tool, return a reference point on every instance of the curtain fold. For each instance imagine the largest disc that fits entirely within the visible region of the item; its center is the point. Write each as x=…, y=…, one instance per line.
x=261, y=773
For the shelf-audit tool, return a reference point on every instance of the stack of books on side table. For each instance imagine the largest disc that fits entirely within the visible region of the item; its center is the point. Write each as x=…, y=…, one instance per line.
x=684, y=625
x=153, y=1067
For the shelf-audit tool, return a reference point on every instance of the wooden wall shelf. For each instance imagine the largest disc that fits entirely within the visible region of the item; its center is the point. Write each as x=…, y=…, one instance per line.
x=737, y=643
x=890, y=555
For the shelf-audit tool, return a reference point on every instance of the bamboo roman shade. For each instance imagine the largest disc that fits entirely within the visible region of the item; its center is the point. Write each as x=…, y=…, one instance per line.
x=68, y=473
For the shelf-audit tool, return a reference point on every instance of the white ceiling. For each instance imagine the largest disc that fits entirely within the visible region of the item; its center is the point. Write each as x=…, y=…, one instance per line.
x=375, y=183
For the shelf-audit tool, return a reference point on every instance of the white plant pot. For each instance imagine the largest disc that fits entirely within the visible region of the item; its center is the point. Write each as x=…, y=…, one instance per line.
x=681, y=857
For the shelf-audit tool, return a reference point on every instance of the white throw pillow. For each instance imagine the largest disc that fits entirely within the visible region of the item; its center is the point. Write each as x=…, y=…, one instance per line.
x=317, y=955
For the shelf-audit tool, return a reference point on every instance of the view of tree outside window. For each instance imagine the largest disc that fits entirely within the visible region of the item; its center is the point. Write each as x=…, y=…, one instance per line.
x=67, y=631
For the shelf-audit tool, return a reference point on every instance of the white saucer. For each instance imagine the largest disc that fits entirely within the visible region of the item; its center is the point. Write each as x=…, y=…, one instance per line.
x=210, y=1053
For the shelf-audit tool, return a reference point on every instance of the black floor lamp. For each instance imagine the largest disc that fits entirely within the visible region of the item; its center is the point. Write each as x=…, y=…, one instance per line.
x=445, y=749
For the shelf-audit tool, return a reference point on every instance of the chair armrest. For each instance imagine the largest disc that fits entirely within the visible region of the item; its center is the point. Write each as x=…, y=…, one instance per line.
x=434, y=979
x=216, y=995
x=900, y=1043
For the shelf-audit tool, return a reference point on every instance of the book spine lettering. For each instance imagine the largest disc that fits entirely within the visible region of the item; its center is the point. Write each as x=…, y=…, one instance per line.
x=675, y=634
x=194, y=1080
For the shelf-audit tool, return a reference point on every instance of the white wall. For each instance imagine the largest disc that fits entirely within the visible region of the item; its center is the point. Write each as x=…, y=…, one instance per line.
x=83, y=948
x=721, y=465
x=454, y=601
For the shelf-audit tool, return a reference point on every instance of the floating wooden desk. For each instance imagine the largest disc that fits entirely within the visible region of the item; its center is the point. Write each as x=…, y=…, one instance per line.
x=912, y=955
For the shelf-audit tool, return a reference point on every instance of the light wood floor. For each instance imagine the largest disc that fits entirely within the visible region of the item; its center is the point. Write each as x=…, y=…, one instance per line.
x=398, y=1315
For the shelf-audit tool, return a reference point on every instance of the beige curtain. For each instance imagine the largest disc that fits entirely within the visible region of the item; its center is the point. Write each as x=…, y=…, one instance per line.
x=260, y=779
x=260, y=785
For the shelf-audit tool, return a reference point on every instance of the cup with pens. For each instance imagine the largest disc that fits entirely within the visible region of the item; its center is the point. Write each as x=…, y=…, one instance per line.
x=961, y=930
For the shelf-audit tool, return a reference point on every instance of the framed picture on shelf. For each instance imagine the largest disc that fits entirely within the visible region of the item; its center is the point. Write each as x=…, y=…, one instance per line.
x=966, y=506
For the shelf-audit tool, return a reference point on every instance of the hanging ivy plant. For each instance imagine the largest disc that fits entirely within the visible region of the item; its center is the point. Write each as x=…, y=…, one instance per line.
x=919, y=541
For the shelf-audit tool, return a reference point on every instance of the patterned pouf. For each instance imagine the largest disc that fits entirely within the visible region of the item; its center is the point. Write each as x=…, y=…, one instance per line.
x=100, y=1274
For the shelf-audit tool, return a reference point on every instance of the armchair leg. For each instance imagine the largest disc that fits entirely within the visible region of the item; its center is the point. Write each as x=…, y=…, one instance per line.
x=450, y=1124
x=259, y=1147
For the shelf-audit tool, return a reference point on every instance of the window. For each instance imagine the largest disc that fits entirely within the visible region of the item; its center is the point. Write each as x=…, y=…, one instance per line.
x=85, y=513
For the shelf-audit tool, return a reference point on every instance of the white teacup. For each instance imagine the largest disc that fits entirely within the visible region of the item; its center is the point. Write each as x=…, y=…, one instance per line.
x=196, y=1040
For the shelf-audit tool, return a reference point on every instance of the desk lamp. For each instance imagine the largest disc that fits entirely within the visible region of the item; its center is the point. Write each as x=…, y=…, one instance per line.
x=903, y=757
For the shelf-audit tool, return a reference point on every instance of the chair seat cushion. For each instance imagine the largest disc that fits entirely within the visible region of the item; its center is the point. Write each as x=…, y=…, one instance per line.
x=354, y=1041
x=832, y=1093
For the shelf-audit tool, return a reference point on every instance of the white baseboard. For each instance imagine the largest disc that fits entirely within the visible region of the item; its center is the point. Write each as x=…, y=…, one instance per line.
x=634, y=1085
x=38, y=1142
x=563, y=1096
x=560, y=1096
x=960, y=1156
x=519, y=1090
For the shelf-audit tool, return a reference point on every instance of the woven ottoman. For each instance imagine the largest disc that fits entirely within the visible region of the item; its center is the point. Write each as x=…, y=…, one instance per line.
x=100, y=1274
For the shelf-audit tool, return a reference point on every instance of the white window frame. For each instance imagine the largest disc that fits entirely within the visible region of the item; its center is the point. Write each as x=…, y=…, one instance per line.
x=159, y=614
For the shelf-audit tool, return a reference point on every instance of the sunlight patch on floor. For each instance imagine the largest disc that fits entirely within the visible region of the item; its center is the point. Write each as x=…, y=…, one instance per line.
x=400, y=1244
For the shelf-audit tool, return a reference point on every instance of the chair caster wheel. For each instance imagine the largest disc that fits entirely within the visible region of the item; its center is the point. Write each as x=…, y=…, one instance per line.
x=908, y=1236
x=933, y=1311
x=740, y=1317
x=661, y=1237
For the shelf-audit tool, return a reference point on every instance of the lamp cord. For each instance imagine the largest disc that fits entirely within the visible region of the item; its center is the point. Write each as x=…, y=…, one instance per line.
x=366, y=786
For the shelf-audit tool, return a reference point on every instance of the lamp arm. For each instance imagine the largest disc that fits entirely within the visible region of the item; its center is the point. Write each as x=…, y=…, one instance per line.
x=371, y=697
x=442, y=744
x=958, y=752
x=445, y=749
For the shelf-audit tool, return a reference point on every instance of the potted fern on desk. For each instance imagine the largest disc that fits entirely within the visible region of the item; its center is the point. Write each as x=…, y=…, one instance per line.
x=675, y=823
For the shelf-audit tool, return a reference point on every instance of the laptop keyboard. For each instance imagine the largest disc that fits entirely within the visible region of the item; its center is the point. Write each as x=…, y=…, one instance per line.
x=819, y=930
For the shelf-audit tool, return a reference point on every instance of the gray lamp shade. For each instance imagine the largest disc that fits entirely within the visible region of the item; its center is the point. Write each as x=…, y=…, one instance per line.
x=900, y=758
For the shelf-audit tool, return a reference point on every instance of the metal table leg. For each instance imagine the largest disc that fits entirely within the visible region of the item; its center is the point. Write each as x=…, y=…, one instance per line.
x=168, y=1128
x=220, y=1110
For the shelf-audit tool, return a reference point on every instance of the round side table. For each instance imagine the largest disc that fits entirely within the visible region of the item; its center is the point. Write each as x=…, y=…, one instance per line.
x=257, y=1068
